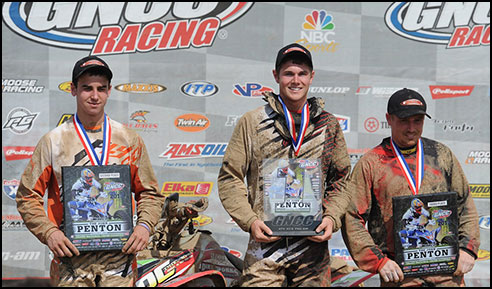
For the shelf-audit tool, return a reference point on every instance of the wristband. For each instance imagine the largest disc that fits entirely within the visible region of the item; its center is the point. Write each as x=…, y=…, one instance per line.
x=145, y=226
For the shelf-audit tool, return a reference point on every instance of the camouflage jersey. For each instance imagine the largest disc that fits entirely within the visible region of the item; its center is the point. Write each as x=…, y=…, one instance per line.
x=263, y=134
x=62, y=147
x=377, y=178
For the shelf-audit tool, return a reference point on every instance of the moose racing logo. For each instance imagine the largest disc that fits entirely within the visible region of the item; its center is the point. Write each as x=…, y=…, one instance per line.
x=456, y=24
x=72, y=24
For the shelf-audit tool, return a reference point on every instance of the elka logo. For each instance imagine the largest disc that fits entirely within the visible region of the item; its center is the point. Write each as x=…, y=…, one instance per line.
x=123, y=27
x=455, y=24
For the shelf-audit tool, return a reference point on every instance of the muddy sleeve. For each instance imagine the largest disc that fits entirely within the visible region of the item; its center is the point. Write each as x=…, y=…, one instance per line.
x=36, y=179
x=336, y=169
x=232, y=188
x=145, y=186
x=365, y=253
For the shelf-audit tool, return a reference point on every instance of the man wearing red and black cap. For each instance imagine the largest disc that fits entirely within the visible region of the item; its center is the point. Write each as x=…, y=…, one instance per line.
x=290, y=128
x=378, y=176
x=67, y=145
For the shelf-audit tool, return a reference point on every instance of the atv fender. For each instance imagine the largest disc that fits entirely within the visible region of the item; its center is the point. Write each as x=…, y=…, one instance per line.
x=213, y=277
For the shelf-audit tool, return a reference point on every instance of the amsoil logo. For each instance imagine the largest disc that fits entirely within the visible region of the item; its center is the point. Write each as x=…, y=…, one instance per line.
x=318, y=32
x=478, y=157
x=455, y=24
x=179, y=151
x=65, y=24
x=187, y=188
x=448, y=91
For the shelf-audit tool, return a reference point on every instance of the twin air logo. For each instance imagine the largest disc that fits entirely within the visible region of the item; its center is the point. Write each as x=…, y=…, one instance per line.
x=180, y=151
x=122, y=27
x=140, y=87
x=250, y=90
x=455, y=24
x=192, y=122
x=318, y=30
x=199, y=88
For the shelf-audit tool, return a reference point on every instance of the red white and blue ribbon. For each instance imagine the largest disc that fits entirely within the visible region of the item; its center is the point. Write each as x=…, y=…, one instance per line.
x=86, y=142
x=412, y=182
x=296, y=140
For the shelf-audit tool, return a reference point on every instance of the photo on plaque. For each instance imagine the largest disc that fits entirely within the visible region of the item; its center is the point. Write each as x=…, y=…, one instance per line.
x=425, y=232
x=97, y=206
x=292, y=196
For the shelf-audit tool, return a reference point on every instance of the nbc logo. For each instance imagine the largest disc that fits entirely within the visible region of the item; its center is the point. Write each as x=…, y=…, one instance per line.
x=318, y=31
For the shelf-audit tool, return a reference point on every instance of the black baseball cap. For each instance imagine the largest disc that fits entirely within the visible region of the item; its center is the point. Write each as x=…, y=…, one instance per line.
x=293, y=49
x=90, y=62
x=407, y=102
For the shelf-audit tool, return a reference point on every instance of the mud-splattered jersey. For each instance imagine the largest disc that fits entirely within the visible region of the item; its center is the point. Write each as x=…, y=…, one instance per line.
x=377, y=178
x=263, y=134
x=62, y=147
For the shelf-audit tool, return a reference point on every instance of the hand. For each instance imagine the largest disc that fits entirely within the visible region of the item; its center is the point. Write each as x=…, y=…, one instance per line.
x=327, y=226
x=465, y=263
x=60, y=245
x=391, y=272
x=258, y=230
x=138, y=240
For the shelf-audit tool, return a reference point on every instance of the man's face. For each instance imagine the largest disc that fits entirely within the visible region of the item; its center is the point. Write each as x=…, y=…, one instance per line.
x=92, y=93
x=406, y=131
x=294, y=80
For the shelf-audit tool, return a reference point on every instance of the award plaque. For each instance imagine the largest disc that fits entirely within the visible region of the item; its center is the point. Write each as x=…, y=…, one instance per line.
x=97, y=206
x=292, y=196
x=426, y=233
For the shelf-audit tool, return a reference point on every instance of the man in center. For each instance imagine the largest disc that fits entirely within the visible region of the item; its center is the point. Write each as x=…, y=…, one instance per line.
x=291, y=128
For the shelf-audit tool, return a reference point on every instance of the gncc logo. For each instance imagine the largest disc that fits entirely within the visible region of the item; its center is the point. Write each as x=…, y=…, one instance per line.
x=65, y=24
x=455, y=24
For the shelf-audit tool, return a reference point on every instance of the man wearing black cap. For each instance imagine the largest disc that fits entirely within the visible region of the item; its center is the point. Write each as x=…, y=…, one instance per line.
x=81, y=141
x=380, y=175
x=289, y=128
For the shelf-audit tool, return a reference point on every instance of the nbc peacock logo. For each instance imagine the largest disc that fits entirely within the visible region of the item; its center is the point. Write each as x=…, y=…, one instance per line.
x=318, y=20
x=318, y=32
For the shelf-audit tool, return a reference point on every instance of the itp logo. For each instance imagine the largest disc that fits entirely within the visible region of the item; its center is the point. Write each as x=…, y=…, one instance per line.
x=431, y=22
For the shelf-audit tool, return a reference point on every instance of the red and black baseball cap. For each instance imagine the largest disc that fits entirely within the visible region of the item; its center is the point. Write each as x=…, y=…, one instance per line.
x=407, y=102
x=90, y=62
x=293, y=49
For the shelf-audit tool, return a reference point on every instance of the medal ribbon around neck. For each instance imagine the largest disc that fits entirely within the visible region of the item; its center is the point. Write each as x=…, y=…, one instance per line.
x=91, y=153
x=414, y=185
x=296, y=141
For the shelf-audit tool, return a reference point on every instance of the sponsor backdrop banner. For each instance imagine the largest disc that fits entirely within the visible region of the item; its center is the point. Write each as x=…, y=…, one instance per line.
x=184, y=73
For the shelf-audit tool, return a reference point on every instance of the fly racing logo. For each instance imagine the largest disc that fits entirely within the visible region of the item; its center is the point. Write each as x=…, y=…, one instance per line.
x=455, y=24
x=122, y=27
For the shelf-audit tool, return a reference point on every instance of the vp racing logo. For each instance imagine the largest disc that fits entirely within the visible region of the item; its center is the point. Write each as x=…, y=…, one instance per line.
x=455, y=24
x=122, y=27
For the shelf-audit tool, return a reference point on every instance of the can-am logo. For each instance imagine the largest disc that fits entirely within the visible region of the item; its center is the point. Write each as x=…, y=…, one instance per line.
x=455, y=24
x=122, y=27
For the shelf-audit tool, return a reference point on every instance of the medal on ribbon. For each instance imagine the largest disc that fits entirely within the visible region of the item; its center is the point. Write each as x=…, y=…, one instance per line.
x=414, y=183
x=86, y=142
x=296, y=139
